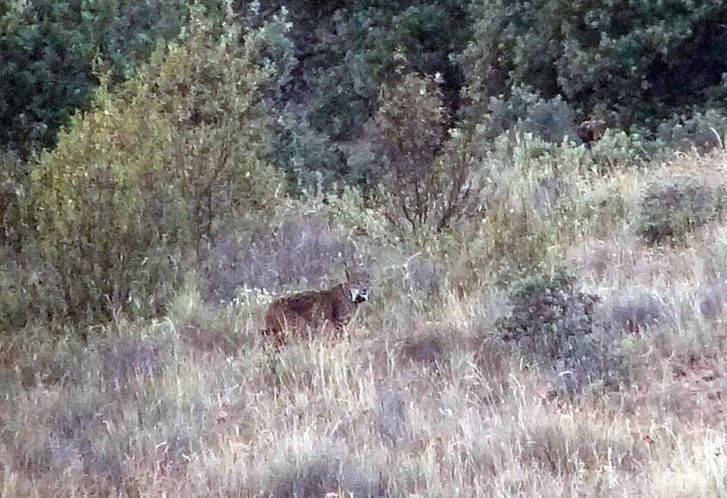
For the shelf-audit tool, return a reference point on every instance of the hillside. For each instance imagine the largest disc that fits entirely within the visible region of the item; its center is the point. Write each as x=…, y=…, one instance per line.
x=547, y=314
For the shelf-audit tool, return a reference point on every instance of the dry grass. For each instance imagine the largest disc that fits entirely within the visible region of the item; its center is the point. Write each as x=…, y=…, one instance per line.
x=418, y=399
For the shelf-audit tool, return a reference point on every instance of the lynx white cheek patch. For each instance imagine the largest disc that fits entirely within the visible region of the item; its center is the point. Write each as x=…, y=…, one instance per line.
x=359, y=295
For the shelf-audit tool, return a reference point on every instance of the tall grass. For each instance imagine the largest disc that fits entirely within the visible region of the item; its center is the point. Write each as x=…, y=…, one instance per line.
x=421, y=397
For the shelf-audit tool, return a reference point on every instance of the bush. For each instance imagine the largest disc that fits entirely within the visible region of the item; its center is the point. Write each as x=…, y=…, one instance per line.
x=551, y=120
x=313, y=163
x=309, y=157
x=140, y=183
x=44, y=70
x=628, y=62
x=620, y=149
x=633, y=312
x=672, y=209
x=513, y=244
x=548, y=316
x=362, y=44
x=98, y=235
x=704, y=131
x=554, y=323
x=426, y=34
x=411, y=119
x=432, y=183
x=48, y=51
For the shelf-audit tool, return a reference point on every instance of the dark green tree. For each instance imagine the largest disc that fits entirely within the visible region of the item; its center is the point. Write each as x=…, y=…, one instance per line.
x=155, y=169
x=47, y=54
x=627, y=61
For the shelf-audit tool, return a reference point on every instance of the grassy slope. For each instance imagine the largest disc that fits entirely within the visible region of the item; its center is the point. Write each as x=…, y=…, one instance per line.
x=419, y=399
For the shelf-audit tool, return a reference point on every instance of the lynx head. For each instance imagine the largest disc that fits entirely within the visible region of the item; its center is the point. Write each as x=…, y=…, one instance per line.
x=591, y=131
x=358, y=291
x=359, y=294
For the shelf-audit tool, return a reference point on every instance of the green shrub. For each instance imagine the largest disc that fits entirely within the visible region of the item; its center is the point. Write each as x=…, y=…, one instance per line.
x=631, y=61
x=672, y=209
x=431, y=179
x=13, y=178
x=45, y=70
x=425, y=35
x=554, y=324
x=619, y=149
x=93, y=217
x=411, y=120
x=136, y=186
x=309, y=157
x=366, y=41
x=551, y=120
x=48, y=51
x=704, y=131
x=548, y=316
x=313, y=163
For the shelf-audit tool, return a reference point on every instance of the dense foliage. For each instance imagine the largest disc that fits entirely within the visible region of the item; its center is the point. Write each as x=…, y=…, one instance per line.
x=133, y=134
x=47, y=55
x=553, y=322
x=630, y=62
x=534, y=192
x=142, y=181
x=672, y=209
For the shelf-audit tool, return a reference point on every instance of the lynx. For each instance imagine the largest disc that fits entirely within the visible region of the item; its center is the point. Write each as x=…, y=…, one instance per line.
x=591, y=131
x=313, y=311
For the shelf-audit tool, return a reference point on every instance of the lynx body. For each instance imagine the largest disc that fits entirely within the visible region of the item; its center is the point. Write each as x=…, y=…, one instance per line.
x=313, y=311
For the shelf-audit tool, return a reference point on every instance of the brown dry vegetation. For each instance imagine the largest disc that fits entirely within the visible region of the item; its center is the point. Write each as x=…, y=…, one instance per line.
x=421, y=397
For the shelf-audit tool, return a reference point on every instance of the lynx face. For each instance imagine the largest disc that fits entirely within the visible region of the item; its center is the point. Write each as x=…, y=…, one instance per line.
x=591, y=131
x=314, y=311
x=359, y=295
